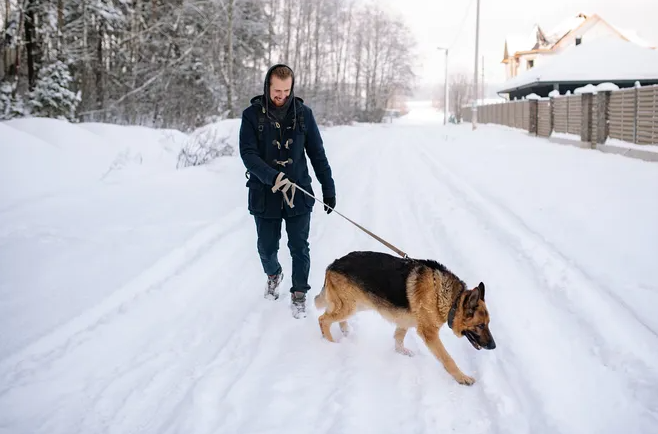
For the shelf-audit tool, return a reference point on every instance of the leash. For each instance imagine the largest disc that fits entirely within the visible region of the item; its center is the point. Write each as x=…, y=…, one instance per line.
x=384, y=242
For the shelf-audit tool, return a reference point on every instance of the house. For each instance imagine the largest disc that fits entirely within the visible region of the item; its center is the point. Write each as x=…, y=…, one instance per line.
x=523, y=53
x=605, y=60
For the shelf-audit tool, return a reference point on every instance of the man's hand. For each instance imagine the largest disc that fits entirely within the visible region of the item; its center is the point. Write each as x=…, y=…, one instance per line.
x=331, y=201
x=283, y=184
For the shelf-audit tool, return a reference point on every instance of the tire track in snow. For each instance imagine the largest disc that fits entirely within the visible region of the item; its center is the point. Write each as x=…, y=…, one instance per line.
x=208, y=345
x=379, y=393
x=116, y=397
x=443, y=408
x=585, y=370
x=74, y=333
x=596, y=301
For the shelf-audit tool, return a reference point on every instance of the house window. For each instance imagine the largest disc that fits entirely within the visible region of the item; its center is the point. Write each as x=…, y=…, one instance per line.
x=531, y=63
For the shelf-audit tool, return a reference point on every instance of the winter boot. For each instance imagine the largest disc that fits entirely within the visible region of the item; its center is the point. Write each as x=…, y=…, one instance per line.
x=298, y=304
x=272, y=289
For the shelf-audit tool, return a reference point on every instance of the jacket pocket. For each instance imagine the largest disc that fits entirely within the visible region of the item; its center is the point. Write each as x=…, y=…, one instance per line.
x=256, y=198
x=307, y=200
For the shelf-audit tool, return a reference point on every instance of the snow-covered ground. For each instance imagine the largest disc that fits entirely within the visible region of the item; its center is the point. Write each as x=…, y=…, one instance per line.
x=131, y=292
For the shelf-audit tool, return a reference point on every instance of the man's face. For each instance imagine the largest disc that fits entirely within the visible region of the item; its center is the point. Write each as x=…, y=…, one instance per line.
x=280, y=90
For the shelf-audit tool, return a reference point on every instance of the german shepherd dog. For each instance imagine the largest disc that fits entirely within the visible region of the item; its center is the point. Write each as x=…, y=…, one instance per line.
x=410, y=293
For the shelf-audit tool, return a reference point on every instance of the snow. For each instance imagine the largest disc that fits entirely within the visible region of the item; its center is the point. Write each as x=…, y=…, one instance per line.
x=622, y=144
x=566, y=136
x=606, y=87
x=589, y=88
x=131, y=299
x=634, y=37
x=567, y=25
x=595, y=61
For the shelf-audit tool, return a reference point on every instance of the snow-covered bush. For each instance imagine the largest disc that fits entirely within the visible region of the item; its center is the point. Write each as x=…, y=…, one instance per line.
x=10, y=106
x=52, y=96
x=203, y=147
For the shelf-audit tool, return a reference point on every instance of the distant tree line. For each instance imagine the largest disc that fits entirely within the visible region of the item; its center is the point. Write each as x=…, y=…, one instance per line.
x=184, y=63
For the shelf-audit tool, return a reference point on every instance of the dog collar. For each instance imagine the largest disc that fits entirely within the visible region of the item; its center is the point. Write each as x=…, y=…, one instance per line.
x=453, y=309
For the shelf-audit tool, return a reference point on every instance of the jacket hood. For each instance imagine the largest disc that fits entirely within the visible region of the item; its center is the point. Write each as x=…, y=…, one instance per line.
x=266, y=84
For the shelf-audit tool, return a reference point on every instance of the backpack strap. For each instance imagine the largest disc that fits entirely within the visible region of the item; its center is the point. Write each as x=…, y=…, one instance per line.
x=261, y=124
x=301, y=121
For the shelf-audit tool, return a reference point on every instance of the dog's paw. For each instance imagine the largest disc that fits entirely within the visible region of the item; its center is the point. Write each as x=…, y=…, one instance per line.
x=345, y=329
x=465, y=380
x=404, y=351
x=328, y=337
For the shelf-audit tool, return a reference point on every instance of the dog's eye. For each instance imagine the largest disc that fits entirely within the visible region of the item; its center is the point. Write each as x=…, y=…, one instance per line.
x=480, y=326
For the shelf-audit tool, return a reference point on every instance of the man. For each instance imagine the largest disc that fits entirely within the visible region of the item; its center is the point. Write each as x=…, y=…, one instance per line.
x=277, y=130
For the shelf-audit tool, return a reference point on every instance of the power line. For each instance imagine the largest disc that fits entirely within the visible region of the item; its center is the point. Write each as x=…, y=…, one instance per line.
x=461, y=26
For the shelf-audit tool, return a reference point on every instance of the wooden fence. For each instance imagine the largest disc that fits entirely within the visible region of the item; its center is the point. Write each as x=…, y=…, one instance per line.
x=630, y=115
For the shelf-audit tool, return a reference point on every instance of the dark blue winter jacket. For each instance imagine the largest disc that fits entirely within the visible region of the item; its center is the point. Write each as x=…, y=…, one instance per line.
x=268, y=147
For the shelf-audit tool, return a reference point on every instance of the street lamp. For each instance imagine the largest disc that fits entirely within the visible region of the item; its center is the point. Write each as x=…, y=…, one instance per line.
x=445, y=90
x=474, y=110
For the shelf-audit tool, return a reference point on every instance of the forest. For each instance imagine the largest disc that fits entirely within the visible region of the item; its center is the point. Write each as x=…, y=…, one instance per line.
x=185, y=63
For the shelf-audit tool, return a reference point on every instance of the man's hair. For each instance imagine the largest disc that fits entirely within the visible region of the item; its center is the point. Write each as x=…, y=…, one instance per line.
x=282, y=72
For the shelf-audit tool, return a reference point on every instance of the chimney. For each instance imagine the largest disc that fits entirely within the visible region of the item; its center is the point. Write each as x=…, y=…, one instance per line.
x=579, y=39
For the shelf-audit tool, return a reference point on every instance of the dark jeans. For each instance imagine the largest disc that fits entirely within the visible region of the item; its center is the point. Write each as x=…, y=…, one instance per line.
x=269, y=234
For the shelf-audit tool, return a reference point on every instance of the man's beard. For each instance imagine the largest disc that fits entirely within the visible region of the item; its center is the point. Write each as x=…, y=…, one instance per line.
x=279, y=102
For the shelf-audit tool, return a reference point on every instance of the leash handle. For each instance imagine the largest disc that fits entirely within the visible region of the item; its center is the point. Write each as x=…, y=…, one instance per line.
x=384, y=242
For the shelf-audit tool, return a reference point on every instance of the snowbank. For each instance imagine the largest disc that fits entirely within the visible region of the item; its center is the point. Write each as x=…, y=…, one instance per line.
x=41, y=156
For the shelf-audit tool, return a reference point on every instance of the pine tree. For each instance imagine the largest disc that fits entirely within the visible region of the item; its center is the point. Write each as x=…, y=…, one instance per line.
x=11, y=105
x=52, y=96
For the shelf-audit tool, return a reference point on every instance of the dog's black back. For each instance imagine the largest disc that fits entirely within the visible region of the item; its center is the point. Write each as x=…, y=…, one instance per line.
x=381, y=274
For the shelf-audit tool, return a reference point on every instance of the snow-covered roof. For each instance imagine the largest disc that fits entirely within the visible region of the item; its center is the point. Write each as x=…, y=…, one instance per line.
x=632, y=36
x=566, y=26
x=527, y=40
x=604, y=59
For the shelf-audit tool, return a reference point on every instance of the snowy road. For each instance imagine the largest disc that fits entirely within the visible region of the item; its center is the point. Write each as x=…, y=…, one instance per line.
x=145, y=312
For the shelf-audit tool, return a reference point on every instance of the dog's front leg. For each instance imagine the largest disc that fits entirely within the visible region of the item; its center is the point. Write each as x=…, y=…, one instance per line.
x=431, y=337
x=399, y=335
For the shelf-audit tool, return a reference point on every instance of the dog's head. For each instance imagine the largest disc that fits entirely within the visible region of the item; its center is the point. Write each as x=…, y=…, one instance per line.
x=472, y=319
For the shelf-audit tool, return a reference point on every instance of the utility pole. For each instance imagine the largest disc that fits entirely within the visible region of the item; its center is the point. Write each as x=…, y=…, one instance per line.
x=475, y=72
x=482, y=84
x=445, y=90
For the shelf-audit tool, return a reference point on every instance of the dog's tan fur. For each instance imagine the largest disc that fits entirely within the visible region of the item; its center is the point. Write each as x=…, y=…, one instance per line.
x=431, y=295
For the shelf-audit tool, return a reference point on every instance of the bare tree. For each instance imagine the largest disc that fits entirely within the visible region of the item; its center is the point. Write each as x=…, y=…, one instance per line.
x=460, y=93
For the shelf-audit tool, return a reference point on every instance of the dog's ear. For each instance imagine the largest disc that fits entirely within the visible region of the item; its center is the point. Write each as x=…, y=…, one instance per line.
x=471, y=301
x=481, y=288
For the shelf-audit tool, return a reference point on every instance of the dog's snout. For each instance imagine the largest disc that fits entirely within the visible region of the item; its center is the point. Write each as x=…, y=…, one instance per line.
x=491, y=345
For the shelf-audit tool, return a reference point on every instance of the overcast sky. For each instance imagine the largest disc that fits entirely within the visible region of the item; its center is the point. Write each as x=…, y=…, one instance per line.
x=437, y=23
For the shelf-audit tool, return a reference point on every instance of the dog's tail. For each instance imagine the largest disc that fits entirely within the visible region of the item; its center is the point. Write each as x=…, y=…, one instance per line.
x=321, y=298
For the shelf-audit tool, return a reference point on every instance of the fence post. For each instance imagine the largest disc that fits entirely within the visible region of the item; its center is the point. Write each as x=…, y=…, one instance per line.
x=586, y=117
x=551, y=115
x=533, y=106
x=602, y=117
x=635, y=111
